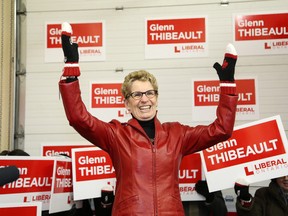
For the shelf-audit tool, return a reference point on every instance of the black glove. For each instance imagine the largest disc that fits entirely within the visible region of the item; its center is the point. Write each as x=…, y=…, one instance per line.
x=70, y=50
x=227, y=70
x=201, y=187
x=241, y=188
x=107, y=197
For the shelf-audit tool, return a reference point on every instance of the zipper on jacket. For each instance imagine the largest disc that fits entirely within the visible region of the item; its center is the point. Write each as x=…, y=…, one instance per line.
x=154, y=179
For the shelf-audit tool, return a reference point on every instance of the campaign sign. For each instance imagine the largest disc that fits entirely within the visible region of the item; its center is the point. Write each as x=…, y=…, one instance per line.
x=34, y=183
x=62, y=186
x=55, y=149
x=189, y=173
x=206, y=95
x=256, y=152
x=89, y=36
x=107, y=102
x=176, y=38
x=267, y=33
x=91, y=168
x=23, y=209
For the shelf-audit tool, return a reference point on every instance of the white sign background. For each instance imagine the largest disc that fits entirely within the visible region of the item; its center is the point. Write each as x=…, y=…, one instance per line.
x=225, y=178
x=82, y=189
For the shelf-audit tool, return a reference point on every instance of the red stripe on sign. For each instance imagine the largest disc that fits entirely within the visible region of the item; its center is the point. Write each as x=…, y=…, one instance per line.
x=173, y=31
x=261, y=27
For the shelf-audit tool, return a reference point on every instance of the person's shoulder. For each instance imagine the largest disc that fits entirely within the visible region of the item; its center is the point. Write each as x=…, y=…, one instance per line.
x=260, y=192
x=115, y=123
x=119, y=125
x=172, y=125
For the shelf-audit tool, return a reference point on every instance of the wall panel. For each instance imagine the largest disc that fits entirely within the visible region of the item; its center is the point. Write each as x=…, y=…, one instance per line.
x=45, y=119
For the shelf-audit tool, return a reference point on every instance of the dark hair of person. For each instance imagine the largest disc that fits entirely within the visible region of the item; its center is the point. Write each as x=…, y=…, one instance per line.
x=4, y=152
x=15, y=152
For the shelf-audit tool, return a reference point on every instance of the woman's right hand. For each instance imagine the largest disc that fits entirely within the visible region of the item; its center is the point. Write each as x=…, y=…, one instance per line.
x=70, y=50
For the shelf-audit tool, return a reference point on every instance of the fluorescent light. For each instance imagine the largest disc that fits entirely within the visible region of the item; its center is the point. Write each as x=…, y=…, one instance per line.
x=224, y=3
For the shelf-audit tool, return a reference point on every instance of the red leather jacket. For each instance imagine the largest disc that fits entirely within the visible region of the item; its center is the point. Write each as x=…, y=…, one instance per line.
x=147, y=174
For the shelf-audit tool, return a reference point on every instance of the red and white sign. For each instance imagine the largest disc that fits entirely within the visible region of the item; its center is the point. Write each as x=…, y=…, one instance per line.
x=107, y=102
x=23, y=209
x=62, y=186
x=256, y=151
x=189, y=173
x=90, y=37
x=176, y=38
x=205, y=98
x=34, y=183
x=92, y=168
x=55, y=149
x=267, y=33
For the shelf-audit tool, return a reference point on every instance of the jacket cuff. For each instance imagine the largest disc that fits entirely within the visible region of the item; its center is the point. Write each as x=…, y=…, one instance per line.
x=71, y=69
x=228, y=88
x=246, y=203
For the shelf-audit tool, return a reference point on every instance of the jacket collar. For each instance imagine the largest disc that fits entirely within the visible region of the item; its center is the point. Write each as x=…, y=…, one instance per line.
x=159, y=131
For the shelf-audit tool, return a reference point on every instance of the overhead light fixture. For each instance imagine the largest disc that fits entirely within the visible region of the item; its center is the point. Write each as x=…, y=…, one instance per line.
x=224, y=3
x=119, y=8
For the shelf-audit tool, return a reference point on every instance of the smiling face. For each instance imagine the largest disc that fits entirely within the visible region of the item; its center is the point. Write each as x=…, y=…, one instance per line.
x=283, y=183
x=145, y=108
